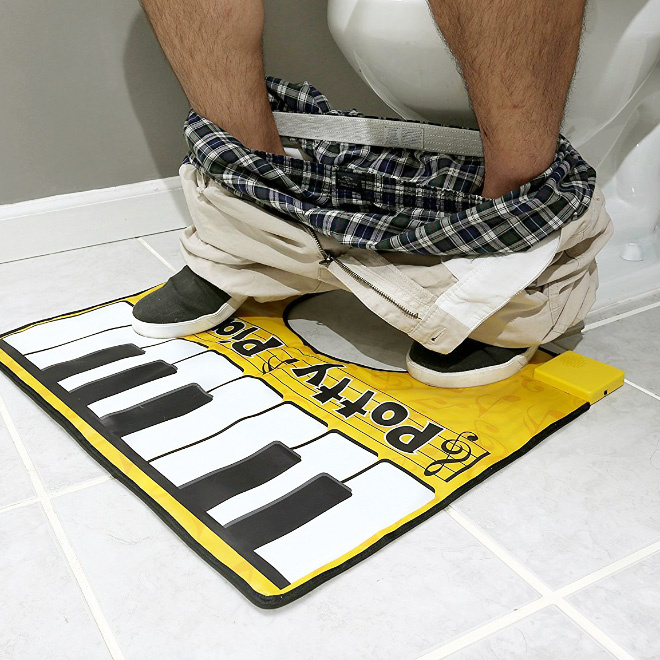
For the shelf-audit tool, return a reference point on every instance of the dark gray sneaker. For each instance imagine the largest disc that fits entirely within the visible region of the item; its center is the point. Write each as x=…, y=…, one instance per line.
x=184, y=305
x=468, y=365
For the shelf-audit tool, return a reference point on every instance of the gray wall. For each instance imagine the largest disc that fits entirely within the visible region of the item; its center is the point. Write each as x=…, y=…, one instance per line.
x=88, y=100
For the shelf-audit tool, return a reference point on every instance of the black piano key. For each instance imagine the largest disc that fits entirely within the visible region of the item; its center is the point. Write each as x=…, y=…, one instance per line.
x=289, y=512
x=122, y=381
x=157, y=410
x=63, y=370
x=212, y=489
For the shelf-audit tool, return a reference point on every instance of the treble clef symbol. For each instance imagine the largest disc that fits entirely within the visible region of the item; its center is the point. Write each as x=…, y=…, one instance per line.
x=268, y=367
x=457, y=452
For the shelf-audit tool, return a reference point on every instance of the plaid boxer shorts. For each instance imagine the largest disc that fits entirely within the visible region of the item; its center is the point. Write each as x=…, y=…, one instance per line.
x=390, y=199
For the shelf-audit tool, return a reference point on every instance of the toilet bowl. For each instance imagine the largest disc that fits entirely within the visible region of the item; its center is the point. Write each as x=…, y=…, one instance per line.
x=612, y=115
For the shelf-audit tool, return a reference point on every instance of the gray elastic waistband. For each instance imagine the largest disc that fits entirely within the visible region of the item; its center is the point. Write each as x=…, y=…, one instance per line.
x=380, y=133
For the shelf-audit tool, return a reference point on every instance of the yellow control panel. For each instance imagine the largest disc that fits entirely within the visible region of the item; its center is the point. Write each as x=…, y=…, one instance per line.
x=580, y=375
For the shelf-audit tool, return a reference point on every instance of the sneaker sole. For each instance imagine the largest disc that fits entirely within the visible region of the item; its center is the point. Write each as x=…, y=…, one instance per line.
x=472, y=378
x=185, y=328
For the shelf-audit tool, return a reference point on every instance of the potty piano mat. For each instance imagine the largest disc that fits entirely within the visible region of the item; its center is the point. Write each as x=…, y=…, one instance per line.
x=279, y=465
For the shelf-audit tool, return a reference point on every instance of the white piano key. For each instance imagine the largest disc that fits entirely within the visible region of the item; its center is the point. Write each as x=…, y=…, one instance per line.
x=231, y=402
x=286, y=423
x=381, y=496
x=332, y=454
x=81, y=347
x=208, y=370
x=55, y=333
x=170, y=351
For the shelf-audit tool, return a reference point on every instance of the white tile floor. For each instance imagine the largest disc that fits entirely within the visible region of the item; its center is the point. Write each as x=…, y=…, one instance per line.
x=555, y=556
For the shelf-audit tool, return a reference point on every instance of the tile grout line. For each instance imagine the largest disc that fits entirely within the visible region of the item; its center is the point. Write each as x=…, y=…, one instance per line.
x=58, y=493
x=614, y=304
x=18, y=505
x=548, y=596
x=593, y=630
x=553, y=597
x=81, y=486
x=596, y=633
x=499, y=551
x=619, y=317
x=641, y=389
x=62, y=539
x=160, y=258
x=608, y=570
x=481, y=632
x=82, y=247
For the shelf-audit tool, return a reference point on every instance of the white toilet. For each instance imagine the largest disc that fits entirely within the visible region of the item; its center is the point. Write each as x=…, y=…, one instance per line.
x=612, y=116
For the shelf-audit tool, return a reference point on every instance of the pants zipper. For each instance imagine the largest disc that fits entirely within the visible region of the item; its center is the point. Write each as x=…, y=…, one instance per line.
x=328, y=258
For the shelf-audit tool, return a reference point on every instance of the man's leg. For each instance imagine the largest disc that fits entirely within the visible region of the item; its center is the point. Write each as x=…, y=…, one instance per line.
x=517, y=59
x=214, y=47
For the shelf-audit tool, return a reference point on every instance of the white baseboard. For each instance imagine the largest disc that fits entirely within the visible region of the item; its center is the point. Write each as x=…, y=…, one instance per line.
x=76, y=220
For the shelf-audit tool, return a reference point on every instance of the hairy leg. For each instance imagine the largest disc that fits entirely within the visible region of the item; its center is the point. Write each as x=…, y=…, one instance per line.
x=517, y=59
x=215, y=50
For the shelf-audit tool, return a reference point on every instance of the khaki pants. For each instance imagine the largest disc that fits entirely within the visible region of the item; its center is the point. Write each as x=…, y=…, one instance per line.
x=518, y=300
